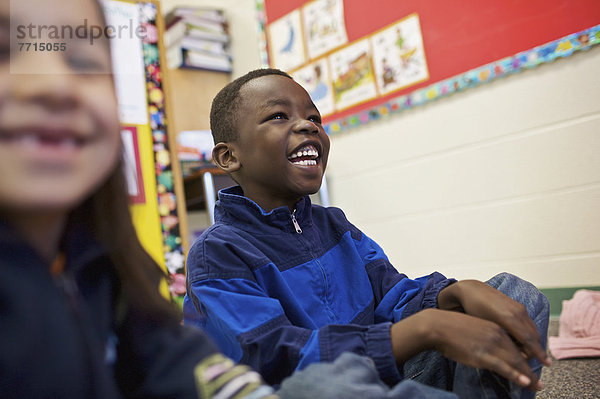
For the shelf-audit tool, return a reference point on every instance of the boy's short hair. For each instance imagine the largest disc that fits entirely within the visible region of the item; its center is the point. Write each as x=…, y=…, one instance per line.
x=223, y=112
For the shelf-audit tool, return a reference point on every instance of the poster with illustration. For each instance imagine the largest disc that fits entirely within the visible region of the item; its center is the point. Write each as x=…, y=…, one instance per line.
x=399, y=56
x=316, y=81
x=286, y=47
x=129, y=71
x=352, y=74
x=324, y=26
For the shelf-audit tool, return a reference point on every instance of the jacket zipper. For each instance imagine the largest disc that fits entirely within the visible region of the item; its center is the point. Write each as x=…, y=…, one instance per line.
x=295, y=222
x=68, y=286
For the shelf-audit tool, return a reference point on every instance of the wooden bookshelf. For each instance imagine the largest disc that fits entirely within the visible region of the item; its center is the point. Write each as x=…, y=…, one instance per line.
x=191, y=93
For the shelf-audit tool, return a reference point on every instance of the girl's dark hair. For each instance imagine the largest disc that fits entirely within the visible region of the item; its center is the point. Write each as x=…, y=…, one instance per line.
x=106, y=214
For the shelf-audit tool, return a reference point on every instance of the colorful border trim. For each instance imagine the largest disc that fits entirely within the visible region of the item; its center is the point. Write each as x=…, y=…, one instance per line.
x=167, y=204
x=545, y=53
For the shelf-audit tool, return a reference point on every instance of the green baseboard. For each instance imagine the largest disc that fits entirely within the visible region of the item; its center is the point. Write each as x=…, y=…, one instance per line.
x=557, y=295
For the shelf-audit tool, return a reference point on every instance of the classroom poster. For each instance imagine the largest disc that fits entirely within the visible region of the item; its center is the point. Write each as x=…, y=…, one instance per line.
x=399, y=56
x=324, y=26
x=129, y=71
x=316, y=80
x=352, y=74
x=286, y=47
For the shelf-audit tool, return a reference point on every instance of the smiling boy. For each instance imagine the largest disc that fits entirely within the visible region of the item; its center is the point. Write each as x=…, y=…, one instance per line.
x=280, y=283
x=273, y=167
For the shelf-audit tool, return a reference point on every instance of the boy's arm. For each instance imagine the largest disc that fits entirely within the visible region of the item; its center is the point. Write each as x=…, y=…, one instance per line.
x=478, y=326
x=466, y=339
x=396, y=296
x=476, y=339
x=425, y=312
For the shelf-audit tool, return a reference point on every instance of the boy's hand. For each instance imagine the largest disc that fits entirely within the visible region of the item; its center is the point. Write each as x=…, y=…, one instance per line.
x=480, y=300
x=466, y=339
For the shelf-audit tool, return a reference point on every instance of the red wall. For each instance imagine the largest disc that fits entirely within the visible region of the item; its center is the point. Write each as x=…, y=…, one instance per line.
x=460, y=35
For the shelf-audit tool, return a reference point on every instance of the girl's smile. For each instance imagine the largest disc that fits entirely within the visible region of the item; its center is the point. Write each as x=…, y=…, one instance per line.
x=46, y=146
x=59, y=127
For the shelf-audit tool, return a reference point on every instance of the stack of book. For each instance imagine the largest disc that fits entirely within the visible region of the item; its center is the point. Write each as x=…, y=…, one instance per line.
x=174, y=33
x=201, y=37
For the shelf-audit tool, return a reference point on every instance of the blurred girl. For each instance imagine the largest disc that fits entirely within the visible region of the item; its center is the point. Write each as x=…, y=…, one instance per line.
x=80, y=312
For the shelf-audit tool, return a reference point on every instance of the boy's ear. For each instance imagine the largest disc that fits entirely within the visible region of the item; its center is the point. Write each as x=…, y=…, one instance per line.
x=223, y=155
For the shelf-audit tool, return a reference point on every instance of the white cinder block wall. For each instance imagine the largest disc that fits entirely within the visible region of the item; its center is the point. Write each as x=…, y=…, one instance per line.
x=502, y=177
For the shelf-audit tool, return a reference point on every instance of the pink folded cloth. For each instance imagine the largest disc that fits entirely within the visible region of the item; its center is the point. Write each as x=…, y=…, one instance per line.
x=579, y=331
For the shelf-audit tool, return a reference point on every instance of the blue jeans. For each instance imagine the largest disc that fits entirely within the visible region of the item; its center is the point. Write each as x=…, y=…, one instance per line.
x=352, y=376
x=432, y=369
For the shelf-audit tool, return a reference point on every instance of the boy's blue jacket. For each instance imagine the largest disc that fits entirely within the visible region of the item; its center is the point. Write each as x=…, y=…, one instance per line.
x=279, y=300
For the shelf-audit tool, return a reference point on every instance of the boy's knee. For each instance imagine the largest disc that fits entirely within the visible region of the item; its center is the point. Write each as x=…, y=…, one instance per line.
x=521, y=291
x=505, y=281
x=510, y=284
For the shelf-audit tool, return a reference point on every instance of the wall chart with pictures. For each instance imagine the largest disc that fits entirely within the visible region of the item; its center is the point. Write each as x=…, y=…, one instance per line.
x=363, y=60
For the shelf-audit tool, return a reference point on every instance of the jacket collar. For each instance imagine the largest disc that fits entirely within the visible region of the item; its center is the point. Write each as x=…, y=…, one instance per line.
x=233, y=208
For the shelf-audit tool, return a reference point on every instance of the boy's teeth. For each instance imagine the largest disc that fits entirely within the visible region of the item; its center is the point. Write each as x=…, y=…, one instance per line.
x=305, y=162
x=305, y=152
